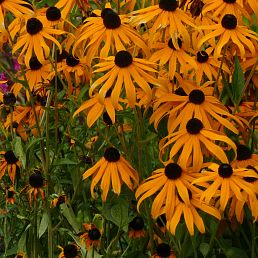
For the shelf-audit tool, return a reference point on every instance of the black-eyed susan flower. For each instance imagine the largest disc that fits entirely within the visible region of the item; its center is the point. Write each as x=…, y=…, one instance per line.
x=33, y=38
x=9, y=98
x=245, y=157
x=226, y=182
x=190, y=214
x=124, y=70
x=164, y=250
x=10, y=162
x=166, y=15
x=36, y=182
x=112, y=169
x=136, y=228
x=56, y=202
x=192, y=144
x=10, y=195
x=110, y=28
x=228, y=30
x=20, y=255
x=174, y=54
x=91, y=238
x=94, y=109
x=69, y=251
x=193, y=101
x=166, y=182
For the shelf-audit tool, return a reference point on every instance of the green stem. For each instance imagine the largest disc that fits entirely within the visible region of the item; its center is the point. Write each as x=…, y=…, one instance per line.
x=35, y=235
x=253, y=232
x=194, y=247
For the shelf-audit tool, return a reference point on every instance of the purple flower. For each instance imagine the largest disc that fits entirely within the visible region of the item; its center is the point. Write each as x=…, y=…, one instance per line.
x=16, y=65
x=3, y=87
x=3, y=76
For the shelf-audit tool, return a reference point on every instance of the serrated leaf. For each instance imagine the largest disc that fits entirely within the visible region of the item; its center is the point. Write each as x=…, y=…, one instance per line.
x=19, y=152
x=69, y=215
x=43, y=224
x=238, y=82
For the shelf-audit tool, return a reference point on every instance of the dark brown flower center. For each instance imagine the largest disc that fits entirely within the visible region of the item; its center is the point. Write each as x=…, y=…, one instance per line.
x=34, y=64
x=137, y=223
x=1, y=1
x=196, y=97
x=70, y=251
x=163, y=250
x=229, y=1
x=72, y=61
x=229, y=22
x=62, y=56
x=112, y=154
x=34, y=26
x=171, y=45
x=123, y=59
x=173, y=171
x=168, y=5
x=111, y=19
x=36, y=180
x=243, y=152
x=202, y=57
x=10, y=158
x=94, y=234
x=194, y=126
x=53, y=13
x=61, y=199
x=225, y=170
x=9, y=99
x=10, y=194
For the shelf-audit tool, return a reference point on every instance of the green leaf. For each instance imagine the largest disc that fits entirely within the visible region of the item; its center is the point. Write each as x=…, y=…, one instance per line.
x=22, y=241
x=43, y=224
x=18, y=150
x=238, y=82
x=69, y=215
x=204, y=248
x=234, y=252
x=65, y=161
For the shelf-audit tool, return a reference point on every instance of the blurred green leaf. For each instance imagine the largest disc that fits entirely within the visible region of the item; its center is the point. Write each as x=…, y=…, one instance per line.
x=18, y=150
x=65, y=161
x=43, y=224
x=234, y=252
x=69, y=215
x=204, y=248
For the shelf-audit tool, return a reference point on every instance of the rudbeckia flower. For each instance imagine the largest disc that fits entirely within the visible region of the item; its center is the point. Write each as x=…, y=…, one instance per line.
x=9, y=162
x=244, y=157
x=91, y=238
x=226, y=182
x=136, y=228
x=69, y=251
x=193, y=101
x=122, y=69
x=167, y=182
x=112, y=168
x=94, y=108
x=10, y=195
x=166, y=15
x=110, y=28
x=174, y=53
x=228, y=30
x=164, y=250
x=20, y=255
x=32, y=40
x=193, y=143
x=191, y=215
x=36, y=182
x=56, y=202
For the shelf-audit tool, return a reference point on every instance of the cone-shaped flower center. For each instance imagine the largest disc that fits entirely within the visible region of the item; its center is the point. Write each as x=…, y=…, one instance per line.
x=180, y=92
x=112, y=154
x=161, y=220
x=163, y=250
x=229, y=21
x=225, y=170
x=9, y=99
x=194, y=126
x=34, y=26
x=70, y=251
x=34, y=63
x=63, y=55
x=171, y=45
x=107, y=119
x=94, y=234
x=196, y=97
x=36, y=180
x=61, y=199
x=10, y=194
x=229, y=1
x=137, y=223
x=72, y=61
x=111, y=19
x=10, y=157
x=202, y=57
x=243, y=152
x=53, y=13
x=189, y=195
x=173, y=171
x=123, y=59
x=168, y=5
